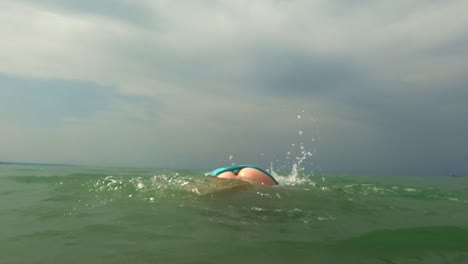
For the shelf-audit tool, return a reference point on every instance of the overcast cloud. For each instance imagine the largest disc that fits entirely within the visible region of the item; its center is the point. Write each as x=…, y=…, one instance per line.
x=380, y=85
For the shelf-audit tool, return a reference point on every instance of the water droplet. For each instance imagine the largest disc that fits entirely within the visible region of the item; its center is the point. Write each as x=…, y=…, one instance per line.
x=300, y=132
x=299, y=116
x=140, y=185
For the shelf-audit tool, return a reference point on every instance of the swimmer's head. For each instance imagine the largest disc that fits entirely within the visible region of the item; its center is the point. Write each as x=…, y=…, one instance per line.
x=248, y=173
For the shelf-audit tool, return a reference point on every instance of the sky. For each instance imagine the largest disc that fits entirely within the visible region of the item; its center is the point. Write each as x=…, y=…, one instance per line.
x=367, y=87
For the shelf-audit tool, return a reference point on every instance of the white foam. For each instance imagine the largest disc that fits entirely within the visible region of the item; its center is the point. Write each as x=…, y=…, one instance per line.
x=295, y=177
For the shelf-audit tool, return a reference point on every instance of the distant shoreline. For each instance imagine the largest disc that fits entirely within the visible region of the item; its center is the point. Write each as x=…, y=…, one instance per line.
x=36, y=164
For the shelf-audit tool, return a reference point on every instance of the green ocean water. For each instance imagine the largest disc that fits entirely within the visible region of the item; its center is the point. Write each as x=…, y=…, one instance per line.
x=51, y=214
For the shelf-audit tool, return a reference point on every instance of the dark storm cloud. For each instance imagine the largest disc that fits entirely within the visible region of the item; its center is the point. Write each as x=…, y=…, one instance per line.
x=420, y=130
x=304, y=75
x=418, y=127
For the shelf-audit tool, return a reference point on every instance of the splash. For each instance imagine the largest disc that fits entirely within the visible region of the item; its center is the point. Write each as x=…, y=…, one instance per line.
x=298, y=168
x=152, y=189
x=292, y=179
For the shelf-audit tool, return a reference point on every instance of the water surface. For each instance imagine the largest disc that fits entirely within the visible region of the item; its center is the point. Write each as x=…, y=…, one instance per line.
x=52, y=214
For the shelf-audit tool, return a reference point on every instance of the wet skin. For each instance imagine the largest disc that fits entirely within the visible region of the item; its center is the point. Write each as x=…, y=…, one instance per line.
x=250, y=175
